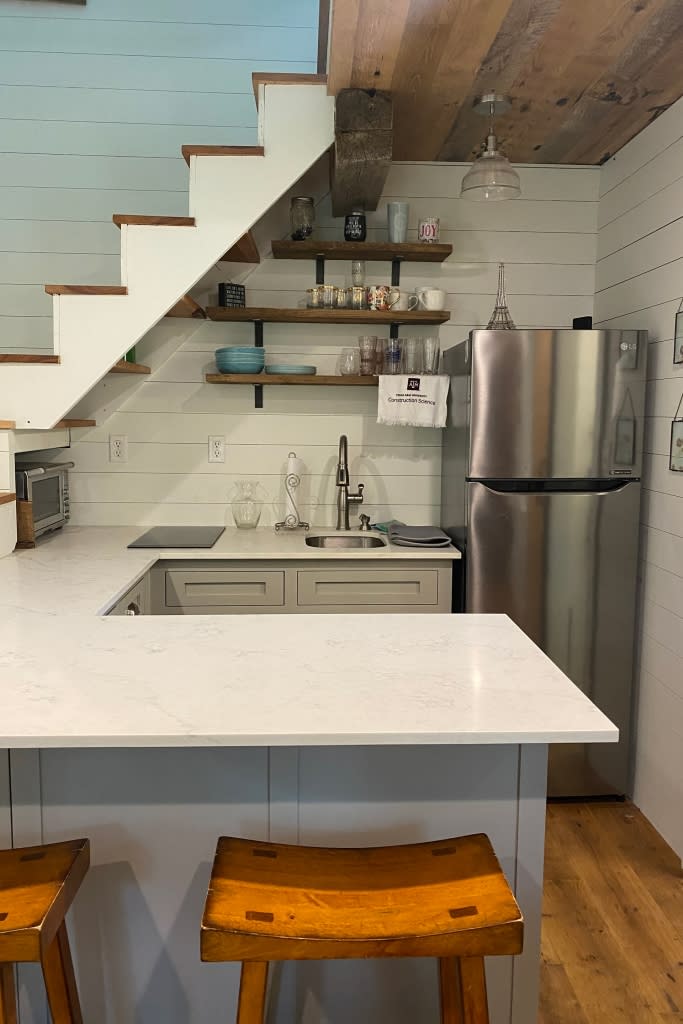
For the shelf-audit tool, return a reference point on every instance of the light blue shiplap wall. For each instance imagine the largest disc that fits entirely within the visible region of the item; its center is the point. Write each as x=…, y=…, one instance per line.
x=95, y=103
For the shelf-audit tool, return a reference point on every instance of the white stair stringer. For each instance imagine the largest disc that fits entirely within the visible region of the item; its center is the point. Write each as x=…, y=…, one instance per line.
x=160, y=264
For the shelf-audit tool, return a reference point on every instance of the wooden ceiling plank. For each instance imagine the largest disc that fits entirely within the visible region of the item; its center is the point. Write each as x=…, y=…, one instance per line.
x=640, y=85
x=585, y=39
x=440, y=59
x=379, y=36
x=342, y=45
x=521, y=32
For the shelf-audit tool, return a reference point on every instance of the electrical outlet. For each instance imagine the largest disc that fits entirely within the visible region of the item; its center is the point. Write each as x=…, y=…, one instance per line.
x=216, y=448
x=118, y=448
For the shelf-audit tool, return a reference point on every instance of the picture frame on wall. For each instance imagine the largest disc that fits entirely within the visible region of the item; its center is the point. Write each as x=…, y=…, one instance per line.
x=678, y=337
x=676, y=447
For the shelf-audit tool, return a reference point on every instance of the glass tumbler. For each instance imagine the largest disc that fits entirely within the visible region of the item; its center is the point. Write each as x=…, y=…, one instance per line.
x=367, y=346
x=329, y=295
x=432, y=354
x=412, y=355
x=349, y=362
x=358, y=272
x=392, y=355
x=380, y=356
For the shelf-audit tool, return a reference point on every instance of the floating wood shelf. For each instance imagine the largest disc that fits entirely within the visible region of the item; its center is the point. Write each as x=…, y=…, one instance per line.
x=187, y=309
x=7, y=357
x=6, y=497
x=311, y=249
x=264, y=314
x=321, y=380
x=123, y=367
x=71, y=424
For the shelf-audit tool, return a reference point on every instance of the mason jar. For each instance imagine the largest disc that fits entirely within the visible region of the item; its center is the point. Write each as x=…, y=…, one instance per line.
x=302, y=217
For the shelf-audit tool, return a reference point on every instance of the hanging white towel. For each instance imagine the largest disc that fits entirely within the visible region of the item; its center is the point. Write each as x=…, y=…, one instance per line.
x=411, y=400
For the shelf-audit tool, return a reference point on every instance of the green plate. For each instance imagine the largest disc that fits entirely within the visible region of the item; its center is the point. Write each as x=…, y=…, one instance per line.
x=290, y=368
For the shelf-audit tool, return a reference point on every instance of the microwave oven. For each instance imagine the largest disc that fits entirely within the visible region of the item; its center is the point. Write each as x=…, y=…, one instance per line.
x=45, y=488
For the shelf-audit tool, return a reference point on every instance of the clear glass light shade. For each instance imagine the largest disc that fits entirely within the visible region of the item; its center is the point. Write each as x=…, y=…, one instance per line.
x=491, y=177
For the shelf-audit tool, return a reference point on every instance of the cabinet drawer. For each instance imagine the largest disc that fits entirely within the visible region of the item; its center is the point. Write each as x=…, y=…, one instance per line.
x=388, y=587
x=193, y=588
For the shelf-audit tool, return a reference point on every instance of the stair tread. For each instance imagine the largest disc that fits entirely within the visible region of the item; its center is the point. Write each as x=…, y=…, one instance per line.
x=6, y=497
x=187, y=308
x=189, y=151
x=7, y=424
x=153, y=221
x=86, y=289
x=123, y=367
x=283, y=78
x=69, y=423
x=9, y=357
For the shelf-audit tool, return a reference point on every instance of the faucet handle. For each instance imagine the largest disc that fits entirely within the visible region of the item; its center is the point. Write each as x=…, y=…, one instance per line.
x=364, y=522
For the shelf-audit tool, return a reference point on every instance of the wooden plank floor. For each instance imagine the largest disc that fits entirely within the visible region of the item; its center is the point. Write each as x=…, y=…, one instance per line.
x=612, y=919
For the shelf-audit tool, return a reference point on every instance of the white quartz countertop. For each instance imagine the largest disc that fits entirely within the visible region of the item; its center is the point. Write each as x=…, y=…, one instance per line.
x=70, y=678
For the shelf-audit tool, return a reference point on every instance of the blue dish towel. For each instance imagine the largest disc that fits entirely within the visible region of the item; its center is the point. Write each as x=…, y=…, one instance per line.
x=418, y=536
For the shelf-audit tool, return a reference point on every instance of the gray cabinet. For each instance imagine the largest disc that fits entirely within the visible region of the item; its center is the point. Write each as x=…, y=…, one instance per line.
x=136, y=601
x=394, y=587
x=224, y=588
x=184, y=587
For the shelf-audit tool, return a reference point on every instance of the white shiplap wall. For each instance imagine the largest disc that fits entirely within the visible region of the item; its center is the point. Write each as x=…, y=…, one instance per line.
x=639, y=283
x=95, y=103
x=547, y=240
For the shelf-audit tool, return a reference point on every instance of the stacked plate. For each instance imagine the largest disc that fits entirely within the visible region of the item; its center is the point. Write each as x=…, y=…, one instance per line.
x=240, y=360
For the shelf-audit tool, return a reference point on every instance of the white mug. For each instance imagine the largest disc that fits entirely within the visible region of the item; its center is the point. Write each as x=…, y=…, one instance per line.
x=405, y=301
x=431, y=298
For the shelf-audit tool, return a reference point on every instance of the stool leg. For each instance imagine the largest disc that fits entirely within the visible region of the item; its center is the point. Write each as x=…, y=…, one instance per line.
x=473, y=984
x=60, y=982
x=252, y=999
x=450, y=991
x=8, y=995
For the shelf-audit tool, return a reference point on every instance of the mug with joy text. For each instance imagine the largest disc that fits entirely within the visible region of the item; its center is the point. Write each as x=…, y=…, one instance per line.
x=428, y=230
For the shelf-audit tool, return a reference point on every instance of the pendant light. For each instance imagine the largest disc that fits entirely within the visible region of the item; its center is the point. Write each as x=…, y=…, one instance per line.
x=491, y=177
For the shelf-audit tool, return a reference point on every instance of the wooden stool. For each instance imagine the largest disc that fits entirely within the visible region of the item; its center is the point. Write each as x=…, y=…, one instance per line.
x=37, y=887
x=447, y=899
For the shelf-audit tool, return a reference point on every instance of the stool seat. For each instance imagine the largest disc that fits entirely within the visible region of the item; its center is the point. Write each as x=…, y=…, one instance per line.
x=37, y=887
x=268, y=901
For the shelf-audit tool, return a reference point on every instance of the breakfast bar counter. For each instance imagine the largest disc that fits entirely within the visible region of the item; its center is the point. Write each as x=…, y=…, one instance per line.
x=329, y=729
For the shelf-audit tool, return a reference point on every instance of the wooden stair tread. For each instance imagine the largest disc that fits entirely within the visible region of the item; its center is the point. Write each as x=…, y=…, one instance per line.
x=244, y=250
x=7, y=497
x=7, y=424
x=186, y=308
x=123, y=367
x=153, y=221
x=68, y=424
x=283, y=78
x=189, y=151
x=8, y=357
x=86, y=289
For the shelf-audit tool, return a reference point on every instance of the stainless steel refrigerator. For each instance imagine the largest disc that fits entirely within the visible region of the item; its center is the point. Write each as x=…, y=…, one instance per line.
x=541, y=474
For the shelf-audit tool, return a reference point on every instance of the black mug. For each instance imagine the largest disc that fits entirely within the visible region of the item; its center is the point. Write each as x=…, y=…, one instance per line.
x=354, y=226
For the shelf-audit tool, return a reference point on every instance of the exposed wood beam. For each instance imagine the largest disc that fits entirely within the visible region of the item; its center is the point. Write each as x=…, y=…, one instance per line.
x=362, y=149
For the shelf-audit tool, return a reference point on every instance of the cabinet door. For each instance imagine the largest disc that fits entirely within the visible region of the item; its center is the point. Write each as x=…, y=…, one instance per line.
x=216, y=588
x=136, y=601
x=381, y=588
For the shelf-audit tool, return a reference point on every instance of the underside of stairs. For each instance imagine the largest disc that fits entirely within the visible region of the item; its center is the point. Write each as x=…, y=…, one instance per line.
x=162, y=258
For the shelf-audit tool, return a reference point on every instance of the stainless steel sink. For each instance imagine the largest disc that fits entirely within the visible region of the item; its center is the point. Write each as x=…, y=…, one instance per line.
x=341, y=540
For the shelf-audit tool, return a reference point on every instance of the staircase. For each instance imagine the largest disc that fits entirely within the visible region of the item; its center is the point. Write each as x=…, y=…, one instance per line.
x=230, y=187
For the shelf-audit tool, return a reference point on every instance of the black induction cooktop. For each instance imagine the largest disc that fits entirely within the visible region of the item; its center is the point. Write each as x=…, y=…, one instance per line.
x=179, y=537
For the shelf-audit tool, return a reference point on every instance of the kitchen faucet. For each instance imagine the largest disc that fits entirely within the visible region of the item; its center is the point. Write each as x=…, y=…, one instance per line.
x=342, y=483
